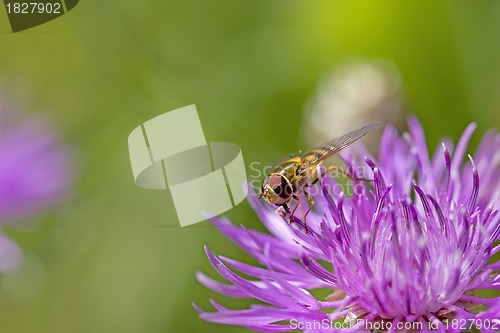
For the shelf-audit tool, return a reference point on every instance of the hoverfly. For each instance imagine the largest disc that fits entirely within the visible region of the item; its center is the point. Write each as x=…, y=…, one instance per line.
x=294, y=174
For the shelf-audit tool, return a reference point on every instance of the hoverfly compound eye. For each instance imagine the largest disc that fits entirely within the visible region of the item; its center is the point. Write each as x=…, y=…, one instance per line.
x=281, y=186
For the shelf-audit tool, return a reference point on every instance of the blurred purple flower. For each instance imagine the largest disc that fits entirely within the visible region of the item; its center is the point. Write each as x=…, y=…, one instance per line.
x=412, y=249
x=35, y=173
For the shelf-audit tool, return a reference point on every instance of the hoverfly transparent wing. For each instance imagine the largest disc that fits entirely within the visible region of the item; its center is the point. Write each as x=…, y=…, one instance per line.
x=317, y=155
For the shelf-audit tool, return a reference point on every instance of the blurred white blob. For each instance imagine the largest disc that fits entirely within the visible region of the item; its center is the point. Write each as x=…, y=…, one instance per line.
x=26, y=284
x=351, y=96
x=10, y=254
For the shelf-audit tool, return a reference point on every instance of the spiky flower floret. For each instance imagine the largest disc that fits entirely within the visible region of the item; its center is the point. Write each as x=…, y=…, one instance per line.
x=409, y=252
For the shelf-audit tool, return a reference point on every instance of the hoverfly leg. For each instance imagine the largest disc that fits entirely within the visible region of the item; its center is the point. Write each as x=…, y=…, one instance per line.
x=287, y=211
x=296, y=206
x=280, y=212
x=311, y=202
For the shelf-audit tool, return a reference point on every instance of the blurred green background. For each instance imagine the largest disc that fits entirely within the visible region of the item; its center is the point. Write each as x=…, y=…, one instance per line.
x=100, y=262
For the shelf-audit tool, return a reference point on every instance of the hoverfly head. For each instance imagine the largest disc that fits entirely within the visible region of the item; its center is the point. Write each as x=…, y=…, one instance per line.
x=276, y=189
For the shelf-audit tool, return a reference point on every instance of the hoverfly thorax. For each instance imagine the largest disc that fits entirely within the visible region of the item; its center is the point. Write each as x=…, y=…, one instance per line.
x=276, y=189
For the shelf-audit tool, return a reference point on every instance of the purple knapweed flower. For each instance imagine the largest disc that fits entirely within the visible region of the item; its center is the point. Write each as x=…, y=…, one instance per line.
x=409, y=253
x=35, y=172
